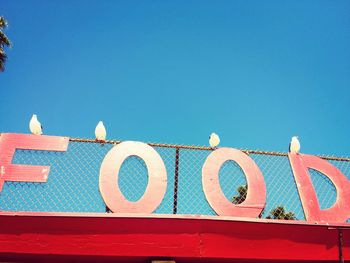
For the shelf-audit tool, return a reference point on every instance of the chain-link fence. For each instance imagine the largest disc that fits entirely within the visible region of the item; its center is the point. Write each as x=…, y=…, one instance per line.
x=73, y=183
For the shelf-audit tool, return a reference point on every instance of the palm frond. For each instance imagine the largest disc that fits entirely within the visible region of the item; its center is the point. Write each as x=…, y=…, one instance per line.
x=4, y=41
x=3, y=22
x=3, y=58
x=242, y=194
x=280, y=213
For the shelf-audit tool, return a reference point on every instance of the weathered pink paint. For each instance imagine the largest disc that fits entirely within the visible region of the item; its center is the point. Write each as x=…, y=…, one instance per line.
x=157, y=178
x=9, y=142
x=256, y=195
x=157, y=184
x=340, y=211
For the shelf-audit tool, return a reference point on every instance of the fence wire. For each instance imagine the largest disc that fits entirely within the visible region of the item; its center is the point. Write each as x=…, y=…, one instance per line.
x=73, y=183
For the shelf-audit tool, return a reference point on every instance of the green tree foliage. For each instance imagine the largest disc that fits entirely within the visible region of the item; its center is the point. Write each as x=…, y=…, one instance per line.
x=280, y=213
x=277, y=213
x=242, y=194
x=4, y=42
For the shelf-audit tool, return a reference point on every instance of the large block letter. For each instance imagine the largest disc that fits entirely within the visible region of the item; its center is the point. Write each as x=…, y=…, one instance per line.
x=9, y=142
x=256, y=195
x=340, y=211
x=157, y=178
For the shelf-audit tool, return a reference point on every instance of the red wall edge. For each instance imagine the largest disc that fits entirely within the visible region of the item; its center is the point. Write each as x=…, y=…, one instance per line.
x=190, y=237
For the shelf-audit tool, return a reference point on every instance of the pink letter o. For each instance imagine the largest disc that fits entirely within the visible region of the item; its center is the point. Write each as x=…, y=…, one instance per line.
x=256, y=195
x=157, y=178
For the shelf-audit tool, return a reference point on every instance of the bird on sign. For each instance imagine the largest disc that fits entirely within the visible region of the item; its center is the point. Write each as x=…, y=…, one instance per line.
x=100, y=131
x=294, y=146
x=35, y=126
x=214, y=140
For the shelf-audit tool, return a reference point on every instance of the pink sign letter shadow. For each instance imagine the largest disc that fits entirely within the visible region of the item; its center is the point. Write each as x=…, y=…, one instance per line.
x=9, y=142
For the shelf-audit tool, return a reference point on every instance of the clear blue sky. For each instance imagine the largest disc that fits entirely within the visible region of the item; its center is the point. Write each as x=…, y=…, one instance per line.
x=255, y=72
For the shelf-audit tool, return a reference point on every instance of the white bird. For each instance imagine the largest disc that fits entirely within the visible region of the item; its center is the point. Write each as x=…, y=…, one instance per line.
x=214, y=140
x=294, y=146
x=35, y=126
x=100, y=131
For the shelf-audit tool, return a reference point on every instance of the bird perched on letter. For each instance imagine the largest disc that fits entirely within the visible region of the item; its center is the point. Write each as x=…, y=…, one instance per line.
x=35, y=126
x=100, y=131
x=214, y=140
x=294, y=146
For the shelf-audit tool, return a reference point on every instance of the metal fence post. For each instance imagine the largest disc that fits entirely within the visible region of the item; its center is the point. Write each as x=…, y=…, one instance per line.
x=176, y=179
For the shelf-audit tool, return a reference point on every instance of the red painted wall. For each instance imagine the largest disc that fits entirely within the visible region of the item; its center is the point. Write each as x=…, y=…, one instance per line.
x=35, y=236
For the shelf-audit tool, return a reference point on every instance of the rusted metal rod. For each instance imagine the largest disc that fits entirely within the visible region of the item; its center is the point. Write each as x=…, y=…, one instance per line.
x=206, y=148
x=341, y=257
x=176, y=179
